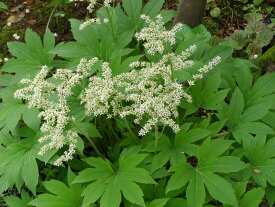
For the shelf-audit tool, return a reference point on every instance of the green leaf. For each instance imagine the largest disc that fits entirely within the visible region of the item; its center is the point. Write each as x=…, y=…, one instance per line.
x=109, y=185
x=62, y=195
x=131, y=191
x=219, y=188
x=207, y=96
x=253, y=17
x=30, y=172
x=30, y=117
x=223, y=51
x=13, y=201
x=30, y=55
x=111, y=196
x=161, y=202
x=133, y=10
x=211, y=149
x=71, y=50
x=257, y=2
x=261, y=157
x=255, y=113
x=265, y=37
x=195, y=192
x=270, y=192
x=177, y=180
x=202, y=33
x=93, y=192
x=87, y=129
x=12, y=160
x=209, y=162
x=86, y=37
x=3, y=6
x=263, y=86
x=48, y=40
x=252, y=198
x=18, y=161
x=14, y=115
x=224, y=164
x=150, y=9
x=177, y=202
x=235, y=108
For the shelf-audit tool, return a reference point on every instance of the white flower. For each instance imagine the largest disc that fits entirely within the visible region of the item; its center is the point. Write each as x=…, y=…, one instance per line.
x=155, y=35
x=9, y=24
x=6, y=59
x=105, y=20
x=27, y=11
x=138, y=93
x=55, y=34
x=207, y=68
x=255, y=56
x=55, y=114
x=62, y=15
x=17, y=37
x=191, y=82
x=92, y=4
x=107, y=3
x=89, y=22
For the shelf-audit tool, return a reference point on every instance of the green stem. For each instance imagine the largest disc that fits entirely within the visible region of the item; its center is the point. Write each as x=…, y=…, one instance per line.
x=172, y=71
x=156, y=138
x=221, y=134
x=111, y=22
x=90, y=141
x=112, y=129
x=130, y=130
x=162, y=130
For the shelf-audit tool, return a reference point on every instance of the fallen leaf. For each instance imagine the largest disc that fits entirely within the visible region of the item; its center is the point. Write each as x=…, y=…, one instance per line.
x=16, y=17
x=16, y=9
x=32, y=21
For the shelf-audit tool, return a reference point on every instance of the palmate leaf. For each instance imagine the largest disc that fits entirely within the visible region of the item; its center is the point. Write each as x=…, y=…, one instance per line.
x=242, y=121
x=13, y=201
x=134, y=10
x=261, y=156
x=18, y=163
x=108, y=183
x=93, y=41
x=12, y=111
x=61, y=194
x=251, y=198
x=30, y=56
x=205, y=174
x=175, y=150
x=206, y=96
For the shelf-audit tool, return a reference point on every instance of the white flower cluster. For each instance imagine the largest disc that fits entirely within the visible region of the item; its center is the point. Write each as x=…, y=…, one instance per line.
x=149, y=94
x=91, y=21
x=92, y=4
x=156, y=35
x=204, y=69
x=55, y=113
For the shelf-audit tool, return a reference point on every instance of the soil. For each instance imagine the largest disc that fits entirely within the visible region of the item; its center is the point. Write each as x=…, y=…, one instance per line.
x=37, y=20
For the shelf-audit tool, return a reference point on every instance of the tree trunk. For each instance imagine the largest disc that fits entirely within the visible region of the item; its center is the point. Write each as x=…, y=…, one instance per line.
x=190, y=12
